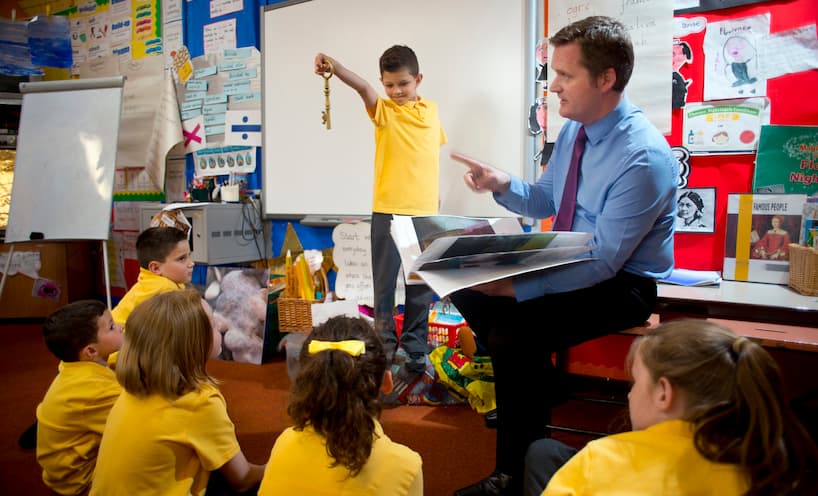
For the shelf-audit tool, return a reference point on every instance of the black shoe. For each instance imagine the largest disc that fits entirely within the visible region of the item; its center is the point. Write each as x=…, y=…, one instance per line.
x=491, y=419
x=28, y=439
x=493, y=485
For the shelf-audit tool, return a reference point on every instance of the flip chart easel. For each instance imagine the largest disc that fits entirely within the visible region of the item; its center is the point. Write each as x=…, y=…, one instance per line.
x=64, y=167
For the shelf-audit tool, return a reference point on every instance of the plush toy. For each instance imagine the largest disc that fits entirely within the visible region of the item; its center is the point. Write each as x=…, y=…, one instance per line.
x=239, y=300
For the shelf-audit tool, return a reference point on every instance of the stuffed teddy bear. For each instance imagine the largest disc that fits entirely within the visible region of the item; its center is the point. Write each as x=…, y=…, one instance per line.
x=239, y=300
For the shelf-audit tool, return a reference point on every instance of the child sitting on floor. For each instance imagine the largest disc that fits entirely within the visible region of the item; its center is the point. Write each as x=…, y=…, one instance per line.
x=170, y=428
x=337, y=445
x=72, y=415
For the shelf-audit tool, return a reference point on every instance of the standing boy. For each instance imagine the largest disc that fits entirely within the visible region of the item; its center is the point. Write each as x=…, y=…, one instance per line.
x=164, y=265
x=72, y=415
x=408, y=136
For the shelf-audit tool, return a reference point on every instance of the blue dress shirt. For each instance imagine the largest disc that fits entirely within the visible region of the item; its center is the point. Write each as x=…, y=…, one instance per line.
x=626, y=197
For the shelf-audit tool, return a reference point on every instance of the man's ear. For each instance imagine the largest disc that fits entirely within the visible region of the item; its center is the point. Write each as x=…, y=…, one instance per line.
x=387, y=384
x=607, y=79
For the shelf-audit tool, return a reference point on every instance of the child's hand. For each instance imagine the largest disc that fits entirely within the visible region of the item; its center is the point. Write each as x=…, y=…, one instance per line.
x=323, y=64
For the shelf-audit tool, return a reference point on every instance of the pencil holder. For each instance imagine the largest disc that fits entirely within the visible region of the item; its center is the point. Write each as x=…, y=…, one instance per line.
x=804, y=269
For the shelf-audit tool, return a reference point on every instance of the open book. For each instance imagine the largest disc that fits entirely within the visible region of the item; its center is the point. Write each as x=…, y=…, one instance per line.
x=449, y=253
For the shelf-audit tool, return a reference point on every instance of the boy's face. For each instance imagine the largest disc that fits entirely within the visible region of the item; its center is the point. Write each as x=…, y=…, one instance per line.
x=401, y=86
x=178, y=266
x=109, y=336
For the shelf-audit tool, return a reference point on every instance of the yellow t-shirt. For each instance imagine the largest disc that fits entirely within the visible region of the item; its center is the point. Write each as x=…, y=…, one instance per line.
x=70, y=421
x=407, y=157
x=299, y=465
x=147, y=285
x=152, y=445
x=658, y=460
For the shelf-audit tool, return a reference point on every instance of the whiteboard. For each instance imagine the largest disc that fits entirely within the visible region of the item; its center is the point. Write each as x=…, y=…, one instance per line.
x=477, y=61
x=64, y=167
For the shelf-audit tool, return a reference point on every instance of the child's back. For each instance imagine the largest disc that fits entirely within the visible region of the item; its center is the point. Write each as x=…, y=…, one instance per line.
x=170, y=428
x=337, y=445
x=72, y=415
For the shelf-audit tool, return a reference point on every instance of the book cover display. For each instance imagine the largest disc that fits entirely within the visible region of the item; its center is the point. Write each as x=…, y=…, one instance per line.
x=759, y=231
x=787, y=160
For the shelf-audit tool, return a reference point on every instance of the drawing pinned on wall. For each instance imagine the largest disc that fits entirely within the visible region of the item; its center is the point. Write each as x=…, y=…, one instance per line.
x=732, y=65
x=541, y=55
x=683, y=159
x=193, y=131
x=682, y=54
x=536, y=117
x=242, y=127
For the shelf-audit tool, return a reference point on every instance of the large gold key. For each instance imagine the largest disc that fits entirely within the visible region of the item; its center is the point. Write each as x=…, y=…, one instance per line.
x=325, y=113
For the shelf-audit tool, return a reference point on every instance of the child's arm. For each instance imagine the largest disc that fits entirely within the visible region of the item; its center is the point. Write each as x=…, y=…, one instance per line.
x=241, y=474
x=354, y=81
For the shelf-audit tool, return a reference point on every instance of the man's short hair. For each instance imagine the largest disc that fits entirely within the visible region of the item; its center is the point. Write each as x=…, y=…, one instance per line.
x=399, y=57
x=604, y=44
x=156, y=243
x=71, y=328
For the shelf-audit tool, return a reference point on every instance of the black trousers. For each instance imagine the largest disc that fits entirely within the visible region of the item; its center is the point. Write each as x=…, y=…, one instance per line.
x=385, y=268
x=521, y=337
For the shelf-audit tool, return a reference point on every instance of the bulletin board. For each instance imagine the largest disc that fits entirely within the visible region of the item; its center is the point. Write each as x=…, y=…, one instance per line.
x=476, y=57
x=790, y=104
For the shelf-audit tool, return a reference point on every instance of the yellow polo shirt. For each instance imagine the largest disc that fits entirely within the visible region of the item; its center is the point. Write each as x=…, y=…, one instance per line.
x=407, y=157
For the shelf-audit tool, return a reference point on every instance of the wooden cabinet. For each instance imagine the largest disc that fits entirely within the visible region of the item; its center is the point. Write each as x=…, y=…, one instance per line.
x=68, y=264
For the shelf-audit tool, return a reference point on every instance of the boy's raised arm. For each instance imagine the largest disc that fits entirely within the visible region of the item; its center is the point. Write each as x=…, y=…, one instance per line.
x=354, y=81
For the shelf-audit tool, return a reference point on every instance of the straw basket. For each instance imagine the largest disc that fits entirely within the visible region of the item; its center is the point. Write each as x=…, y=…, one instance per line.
x=804, y=269
x=295, y=314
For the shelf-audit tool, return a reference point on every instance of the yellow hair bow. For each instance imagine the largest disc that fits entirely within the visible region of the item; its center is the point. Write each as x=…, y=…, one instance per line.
x=354, y=347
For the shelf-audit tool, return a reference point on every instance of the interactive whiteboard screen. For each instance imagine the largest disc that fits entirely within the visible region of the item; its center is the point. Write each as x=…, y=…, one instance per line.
x=476, y=57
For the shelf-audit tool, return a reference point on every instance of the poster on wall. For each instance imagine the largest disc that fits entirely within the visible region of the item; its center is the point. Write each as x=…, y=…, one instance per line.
x=238, y=296
x=696, y=210
x=787, y=160
x=726, y=126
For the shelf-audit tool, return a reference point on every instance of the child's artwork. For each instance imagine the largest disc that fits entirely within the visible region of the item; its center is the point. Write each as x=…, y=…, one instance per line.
x=731, y=58
x=238, y=296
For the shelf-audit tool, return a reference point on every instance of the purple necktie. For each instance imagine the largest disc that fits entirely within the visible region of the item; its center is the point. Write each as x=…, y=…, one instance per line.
x=565, y=214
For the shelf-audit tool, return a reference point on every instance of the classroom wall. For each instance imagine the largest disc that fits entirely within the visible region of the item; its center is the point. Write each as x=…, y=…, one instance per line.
x=791, y=103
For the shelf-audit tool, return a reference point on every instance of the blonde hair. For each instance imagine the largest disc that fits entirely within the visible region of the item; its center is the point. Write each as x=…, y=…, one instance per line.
x=166, y=346
x=735, y=400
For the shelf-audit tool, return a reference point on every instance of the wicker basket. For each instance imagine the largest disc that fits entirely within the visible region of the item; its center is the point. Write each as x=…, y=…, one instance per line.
x=295, y=314
x=804, y=269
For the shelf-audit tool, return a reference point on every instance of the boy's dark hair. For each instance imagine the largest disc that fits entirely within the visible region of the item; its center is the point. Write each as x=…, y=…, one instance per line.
x=71, y=328
x=398, y=57
x=604, y=43
x=156, y=243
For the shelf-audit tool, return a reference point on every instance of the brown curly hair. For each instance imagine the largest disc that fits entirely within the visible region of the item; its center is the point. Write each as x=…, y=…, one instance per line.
x=337, y=394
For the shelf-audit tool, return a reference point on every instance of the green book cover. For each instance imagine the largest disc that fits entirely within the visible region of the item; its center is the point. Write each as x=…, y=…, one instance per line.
x=787, y=160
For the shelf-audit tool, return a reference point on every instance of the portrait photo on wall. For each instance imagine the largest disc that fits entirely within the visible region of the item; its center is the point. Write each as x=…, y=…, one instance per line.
x=696, y=210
